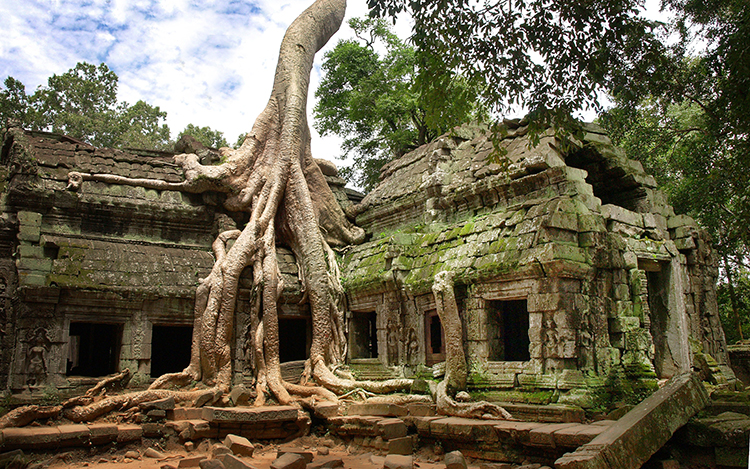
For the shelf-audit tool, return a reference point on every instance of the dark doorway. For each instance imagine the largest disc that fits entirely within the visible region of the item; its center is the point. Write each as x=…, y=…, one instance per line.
x=94, y=349
x=364, y=335
x=170, y=349
x=293, y=339
x=435, y=338
x=508, y=331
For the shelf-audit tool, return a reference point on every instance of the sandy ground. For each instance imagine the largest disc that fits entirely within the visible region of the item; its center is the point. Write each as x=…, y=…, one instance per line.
x=114, y=458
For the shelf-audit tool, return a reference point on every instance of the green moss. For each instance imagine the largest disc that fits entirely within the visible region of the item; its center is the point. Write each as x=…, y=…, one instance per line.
x=629, y=384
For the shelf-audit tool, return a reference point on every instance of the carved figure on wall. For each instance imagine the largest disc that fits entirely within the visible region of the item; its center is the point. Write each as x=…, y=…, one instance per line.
x=551, y=339
x=412, y=348
x=586, y=342
x=36, y=357
x=393, y=335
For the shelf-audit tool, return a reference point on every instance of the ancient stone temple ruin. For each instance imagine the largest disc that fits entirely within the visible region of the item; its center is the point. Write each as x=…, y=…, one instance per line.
x=569, y=266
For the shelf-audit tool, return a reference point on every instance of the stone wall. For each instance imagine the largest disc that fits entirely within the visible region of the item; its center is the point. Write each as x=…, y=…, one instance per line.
x=113, y=261
x=610, y=277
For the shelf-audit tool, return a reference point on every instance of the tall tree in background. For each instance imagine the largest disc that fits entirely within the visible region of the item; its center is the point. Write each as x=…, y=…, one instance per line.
x=206, y=135
x=82, y=103
x=371, y=100
x=692, y=130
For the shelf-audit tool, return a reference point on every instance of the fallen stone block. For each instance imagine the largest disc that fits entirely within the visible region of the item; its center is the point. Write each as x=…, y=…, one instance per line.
x=211, y=464
x=289, y=461
x=454, y=460
x=190, y=462
x=239, y=395
x=398, y=461
x=239, y=445
x=403, y=445
x=329, y=464
x=218, y=449
x=307, y=455
x=233, y=462
x=391, y=428
x=165, y=404
x=153, y=454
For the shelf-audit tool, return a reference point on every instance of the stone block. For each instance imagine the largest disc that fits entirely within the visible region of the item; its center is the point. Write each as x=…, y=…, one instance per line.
x=74, y=435
x=289, y=461
x=239, y=445
x=575, y=436
x=103, y=433
x=239, y=395
x=219, y=449
x=211, y=464
x=248, y=415
x=398, y=461
x=454, y=460
x=305, y=454
x=403, y=445
x=391, y=428
x=29, y=218
x=154, y=430
x=31, y=437
x=129, y=432
x=380, y=410
x=193, y=461
x=165, y=404
x=331, y=463
x=544, y=435
x=232, y=462
x=185, y=413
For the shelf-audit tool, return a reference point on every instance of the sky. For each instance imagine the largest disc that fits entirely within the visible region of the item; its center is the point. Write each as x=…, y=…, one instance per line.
x=205, y=62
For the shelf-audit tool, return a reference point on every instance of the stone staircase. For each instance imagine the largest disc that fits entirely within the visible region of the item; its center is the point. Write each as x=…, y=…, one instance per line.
x=371, y=369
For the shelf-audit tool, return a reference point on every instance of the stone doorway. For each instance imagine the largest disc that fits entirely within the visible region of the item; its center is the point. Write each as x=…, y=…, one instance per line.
x=170, y=349
x=294, y=339
x=434, y=338
x=94, y=349
x=363, y=337
x=508, y=330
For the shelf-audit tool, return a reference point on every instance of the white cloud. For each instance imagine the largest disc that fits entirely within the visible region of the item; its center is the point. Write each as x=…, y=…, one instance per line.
x=209, y=63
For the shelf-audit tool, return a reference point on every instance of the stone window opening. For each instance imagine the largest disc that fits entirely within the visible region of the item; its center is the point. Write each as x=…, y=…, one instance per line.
x=434, y=338
x=363, y=342
x=295, y=336
x=508, y=330
x=94, y=349
x=170, y=349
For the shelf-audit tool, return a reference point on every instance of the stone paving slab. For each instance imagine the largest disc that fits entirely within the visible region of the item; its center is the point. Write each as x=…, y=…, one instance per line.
x=545, y=435
x=249, y=414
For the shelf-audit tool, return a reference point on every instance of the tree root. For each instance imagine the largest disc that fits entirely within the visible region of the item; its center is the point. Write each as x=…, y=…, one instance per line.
x=446, y=405
x=24, y=415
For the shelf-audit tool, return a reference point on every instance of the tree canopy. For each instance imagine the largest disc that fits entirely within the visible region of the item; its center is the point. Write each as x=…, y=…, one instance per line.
x=82, y=103
x=371, y=100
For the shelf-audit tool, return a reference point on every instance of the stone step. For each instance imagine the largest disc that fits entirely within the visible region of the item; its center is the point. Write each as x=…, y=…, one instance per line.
x=46, y=437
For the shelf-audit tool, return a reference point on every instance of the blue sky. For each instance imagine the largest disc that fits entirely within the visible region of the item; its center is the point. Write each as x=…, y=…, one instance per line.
x=209, y=63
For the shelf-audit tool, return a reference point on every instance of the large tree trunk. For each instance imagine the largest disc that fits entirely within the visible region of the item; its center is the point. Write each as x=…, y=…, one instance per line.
x=456, y=371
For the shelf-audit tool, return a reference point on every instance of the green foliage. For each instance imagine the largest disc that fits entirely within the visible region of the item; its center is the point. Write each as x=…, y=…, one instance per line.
x=691, y=129
x=551, y=56
x=741, y=287
x=206, y=135
x=82, y=103
x=371, y=100
x=141, y=126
